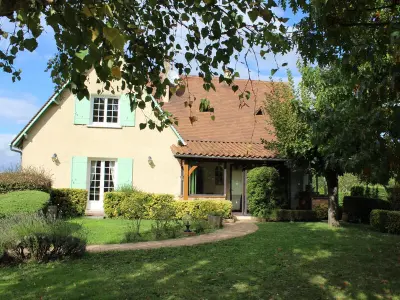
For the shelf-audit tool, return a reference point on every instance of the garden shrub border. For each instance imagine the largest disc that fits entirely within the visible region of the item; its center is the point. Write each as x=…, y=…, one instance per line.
x=292, y=215
x=69, y=202
x=385, y=220
x=116, y=204
x=359, y=208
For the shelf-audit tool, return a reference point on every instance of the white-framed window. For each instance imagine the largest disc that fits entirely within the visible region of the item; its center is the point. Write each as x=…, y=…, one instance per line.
x=102, y=179
x=105, y=111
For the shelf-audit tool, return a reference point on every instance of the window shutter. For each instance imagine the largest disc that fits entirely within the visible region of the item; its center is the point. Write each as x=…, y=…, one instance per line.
x=79, y=172
x=125, y=169
x=127, y=117
x=82, y=111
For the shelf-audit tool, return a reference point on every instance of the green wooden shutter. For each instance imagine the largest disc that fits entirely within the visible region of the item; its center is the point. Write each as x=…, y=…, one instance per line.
x=125, y=169
x=127, y=117
x=82, y=111
x=79, y=169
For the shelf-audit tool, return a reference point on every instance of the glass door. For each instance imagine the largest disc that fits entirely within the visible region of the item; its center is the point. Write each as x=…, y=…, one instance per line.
x=236, y=188
x=102, y=179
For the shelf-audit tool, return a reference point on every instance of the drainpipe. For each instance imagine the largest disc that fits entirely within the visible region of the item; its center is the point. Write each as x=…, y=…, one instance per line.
x=15, y=149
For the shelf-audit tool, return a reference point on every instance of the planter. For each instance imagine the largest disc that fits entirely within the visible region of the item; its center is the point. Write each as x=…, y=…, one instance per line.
x=215, y=221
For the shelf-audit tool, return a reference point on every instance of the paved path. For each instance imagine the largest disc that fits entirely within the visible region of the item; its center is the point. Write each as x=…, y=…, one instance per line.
x=230, y=231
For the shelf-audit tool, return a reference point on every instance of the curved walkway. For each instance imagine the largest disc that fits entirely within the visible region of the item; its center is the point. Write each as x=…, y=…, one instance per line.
x=230, y=231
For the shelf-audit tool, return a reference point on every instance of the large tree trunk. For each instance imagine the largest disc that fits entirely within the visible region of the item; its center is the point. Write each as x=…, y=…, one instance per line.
x=332, y=181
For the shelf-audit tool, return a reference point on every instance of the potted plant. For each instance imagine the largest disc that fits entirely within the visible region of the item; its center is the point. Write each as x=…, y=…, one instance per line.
x=215, y=219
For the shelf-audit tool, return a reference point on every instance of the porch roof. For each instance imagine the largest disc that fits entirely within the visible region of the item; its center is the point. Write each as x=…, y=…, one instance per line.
x=222, y=150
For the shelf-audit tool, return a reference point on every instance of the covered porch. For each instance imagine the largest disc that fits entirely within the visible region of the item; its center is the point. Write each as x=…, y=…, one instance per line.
x=218, y=170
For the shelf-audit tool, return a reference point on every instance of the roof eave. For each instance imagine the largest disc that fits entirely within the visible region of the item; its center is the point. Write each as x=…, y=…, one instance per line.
x=230, y=157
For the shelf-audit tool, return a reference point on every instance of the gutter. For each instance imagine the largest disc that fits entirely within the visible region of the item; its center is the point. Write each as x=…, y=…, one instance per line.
x=14, y=149
x=230, y=158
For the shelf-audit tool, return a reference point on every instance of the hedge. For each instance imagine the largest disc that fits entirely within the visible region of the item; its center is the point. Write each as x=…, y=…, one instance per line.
x=25, y=179
x=200, y=209
x=264, y=191
x=284, y=215
x=322, y=211
x=120, y=204
x=359, y=208
x=70, y=202
x=386, y=220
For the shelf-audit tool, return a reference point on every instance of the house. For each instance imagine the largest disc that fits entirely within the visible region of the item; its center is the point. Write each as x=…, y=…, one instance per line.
x=96, y=144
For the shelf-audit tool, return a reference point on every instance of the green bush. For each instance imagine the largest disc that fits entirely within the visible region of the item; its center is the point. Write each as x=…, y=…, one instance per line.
x=33, y=237
x=359, y=208
x=22, y=202
x=284, y=215
x=25, y=179
x=129, y=206
x=69, y=202
x=386, y=221
x=200, y=209
x=379, y=219
x=264, y=190
x=322, y=211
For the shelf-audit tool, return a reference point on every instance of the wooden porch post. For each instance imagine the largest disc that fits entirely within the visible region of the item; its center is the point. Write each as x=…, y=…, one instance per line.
x=185, y=180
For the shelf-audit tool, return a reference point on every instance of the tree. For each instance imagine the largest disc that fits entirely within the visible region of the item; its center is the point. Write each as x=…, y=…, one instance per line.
x=323, y=125
x=131, y=40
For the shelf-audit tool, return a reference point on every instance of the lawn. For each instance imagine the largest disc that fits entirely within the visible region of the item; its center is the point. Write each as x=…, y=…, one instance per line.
x=109, y=231
x=280, y=261
x=22, y=201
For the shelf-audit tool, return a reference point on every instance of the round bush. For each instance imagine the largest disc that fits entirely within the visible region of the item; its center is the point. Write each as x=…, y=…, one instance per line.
x=264, y=191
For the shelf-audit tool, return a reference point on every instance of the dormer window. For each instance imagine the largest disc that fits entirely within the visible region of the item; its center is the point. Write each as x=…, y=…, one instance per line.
x=105, y=111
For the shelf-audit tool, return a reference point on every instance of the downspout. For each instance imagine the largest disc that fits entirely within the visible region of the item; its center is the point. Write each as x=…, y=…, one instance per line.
x=14, y=149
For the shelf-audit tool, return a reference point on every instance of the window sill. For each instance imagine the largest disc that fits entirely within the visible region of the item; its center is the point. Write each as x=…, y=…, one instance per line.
x=104, y=126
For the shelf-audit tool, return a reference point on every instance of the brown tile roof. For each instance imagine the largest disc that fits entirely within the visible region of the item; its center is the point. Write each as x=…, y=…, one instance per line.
x=236, y=131
x=232, y=123
x=223, y=149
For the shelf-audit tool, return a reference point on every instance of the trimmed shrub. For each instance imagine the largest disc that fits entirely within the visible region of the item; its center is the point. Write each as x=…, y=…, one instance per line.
x=200, y=209
x=112, y=203
x=386, y=221
x=322, y=211
x=264, y=190
x=22, y=202
x=25, y=179
x=359, y=208
x=379, y=219
x=70, y=202
x=34, y=237
x=284, y=215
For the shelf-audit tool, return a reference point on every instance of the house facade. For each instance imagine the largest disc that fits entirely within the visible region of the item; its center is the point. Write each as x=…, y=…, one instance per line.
x=96, y=144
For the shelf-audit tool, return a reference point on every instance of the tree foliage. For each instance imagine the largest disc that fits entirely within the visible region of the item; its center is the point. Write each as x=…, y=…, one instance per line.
x=131, y=40
x=325, y=125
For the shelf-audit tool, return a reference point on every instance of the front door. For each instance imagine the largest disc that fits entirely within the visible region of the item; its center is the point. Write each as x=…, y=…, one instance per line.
x=237, y=188
x=102, y=179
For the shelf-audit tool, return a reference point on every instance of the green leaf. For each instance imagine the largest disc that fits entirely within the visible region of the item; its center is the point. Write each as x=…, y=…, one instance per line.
x=115, y=38
x=148, y=98
x=284, y=64
x=189, y=56
x=185, y=17
x=253, y=15
x=142, y=126
x=273, y=71
x=30, y=44
x=82, y=54
x=142, y=104
x=235, y=88
x=213, y=117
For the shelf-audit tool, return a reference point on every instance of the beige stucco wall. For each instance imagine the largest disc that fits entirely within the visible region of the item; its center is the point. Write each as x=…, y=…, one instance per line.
x=55, y=132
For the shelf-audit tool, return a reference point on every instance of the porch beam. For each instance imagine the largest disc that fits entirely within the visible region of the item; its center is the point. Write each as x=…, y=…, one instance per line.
x=185, y=180
x=225, y=179
x=191, y=170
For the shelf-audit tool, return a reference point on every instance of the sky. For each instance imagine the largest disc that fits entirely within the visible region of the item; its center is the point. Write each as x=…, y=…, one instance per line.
x=19, y=101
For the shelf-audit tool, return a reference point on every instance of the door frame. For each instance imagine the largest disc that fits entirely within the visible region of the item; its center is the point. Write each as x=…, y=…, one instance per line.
x=101, y=199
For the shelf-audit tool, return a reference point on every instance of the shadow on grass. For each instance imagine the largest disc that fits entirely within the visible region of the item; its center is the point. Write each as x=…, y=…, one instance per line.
x=280, y=261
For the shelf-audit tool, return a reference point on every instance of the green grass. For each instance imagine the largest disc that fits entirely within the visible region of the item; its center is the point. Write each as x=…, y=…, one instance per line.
x=22, y=202
x=280, y=261
x=109, y=231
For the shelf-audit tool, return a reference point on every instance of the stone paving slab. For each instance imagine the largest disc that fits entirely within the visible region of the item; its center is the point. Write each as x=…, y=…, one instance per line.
x=230, y=231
